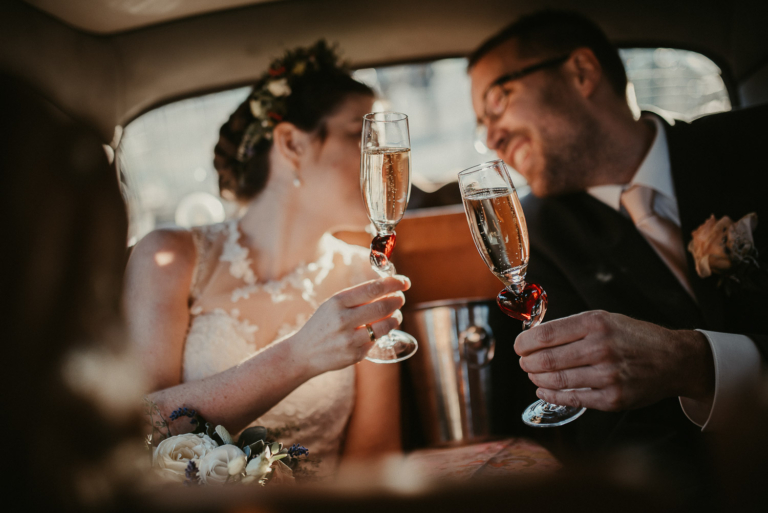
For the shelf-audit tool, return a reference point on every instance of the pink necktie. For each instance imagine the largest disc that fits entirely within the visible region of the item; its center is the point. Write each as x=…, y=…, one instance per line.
x=663, y=235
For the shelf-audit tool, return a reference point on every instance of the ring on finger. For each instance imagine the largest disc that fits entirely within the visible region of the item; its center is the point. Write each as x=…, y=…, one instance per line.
x=371, y=334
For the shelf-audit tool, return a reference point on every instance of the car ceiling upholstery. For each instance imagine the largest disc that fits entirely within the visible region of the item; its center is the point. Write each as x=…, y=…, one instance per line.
x=108, y=79
x=109, y=16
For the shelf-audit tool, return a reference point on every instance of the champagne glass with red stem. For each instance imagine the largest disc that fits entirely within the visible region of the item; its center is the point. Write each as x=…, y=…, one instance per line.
x=498, y=228
x=385, y=181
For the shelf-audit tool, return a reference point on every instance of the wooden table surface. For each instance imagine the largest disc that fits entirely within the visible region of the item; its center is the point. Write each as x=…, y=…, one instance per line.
x=514, y=456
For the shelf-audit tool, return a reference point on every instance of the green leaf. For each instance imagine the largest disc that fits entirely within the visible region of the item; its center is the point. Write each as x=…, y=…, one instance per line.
x=252, y=435
x=279, y=457
x=275, y=448
x=257, y=447
x=211, y=432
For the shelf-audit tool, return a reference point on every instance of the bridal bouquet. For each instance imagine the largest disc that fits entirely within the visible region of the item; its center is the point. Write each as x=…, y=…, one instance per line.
x=210, y=456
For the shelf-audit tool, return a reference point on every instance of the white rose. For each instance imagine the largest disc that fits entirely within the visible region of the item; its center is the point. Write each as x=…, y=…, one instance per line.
x=279, y=87
x=173, y=454
x=214, y=466
x=237, y=466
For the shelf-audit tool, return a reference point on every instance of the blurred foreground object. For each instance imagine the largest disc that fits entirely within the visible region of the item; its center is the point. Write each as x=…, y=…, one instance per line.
x=741, y=454
x=69, y=397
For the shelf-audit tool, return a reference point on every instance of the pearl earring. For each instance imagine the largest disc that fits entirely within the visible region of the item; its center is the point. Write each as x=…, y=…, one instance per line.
x=296, y=180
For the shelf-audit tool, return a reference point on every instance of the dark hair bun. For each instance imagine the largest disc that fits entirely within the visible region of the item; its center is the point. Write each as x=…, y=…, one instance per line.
x=318, y=84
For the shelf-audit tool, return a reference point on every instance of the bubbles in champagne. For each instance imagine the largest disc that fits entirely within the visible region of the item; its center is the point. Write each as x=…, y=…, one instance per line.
x=499, y=231
x=386, y=185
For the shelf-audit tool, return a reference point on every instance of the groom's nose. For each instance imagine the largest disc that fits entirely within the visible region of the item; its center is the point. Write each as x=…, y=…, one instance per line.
x=495, y=138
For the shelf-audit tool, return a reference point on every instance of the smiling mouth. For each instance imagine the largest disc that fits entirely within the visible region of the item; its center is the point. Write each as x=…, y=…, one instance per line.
x=518, y=152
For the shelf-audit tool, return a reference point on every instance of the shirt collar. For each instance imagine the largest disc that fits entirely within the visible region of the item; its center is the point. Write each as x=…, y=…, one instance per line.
x=654, y=171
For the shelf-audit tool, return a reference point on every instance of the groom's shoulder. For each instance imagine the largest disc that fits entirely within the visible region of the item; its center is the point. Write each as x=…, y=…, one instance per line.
x=551, y=209
x=557, y=218
x=745, y=117
x=741, y=127
x=725, y=147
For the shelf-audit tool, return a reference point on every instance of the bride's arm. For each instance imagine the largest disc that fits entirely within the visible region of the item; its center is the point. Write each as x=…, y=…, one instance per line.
x=158, y=278
x=374, y=428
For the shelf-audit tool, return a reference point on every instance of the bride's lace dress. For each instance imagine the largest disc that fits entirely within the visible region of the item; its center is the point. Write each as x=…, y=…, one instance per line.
x=233, y=315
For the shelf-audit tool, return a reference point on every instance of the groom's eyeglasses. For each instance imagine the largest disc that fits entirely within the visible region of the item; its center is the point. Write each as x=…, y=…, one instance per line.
x=496, y=97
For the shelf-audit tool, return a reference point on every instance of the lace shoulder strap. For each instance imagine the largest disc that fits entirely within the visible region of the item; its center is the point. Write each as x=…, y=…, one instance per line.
x=205, y=238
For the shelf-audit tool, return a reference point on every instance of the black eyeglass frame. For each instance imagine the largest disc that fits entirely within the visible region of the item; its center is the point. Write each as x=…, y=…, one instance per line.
x=516, y=75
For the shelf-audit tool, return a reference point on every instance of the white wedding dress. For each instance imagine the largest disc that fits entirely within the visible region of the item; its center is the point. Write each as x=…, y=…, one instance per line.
x=233, y=315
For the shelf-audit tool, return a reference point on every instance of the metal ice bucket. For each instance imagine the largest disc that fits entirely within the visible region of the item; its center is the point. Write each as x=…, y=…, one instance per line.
x=451, y=373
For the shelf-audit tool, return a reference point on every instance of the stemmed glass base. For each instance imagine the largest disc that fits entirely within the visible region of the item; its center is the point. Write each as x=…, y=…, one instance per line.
x=393, y=347
x=528, y=303
x=396, y=345
x=544, y=414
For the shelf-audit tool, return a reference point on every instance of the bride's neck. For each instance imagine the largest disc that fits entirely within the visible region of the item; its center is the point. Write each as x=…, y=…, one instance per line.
x=280, y=232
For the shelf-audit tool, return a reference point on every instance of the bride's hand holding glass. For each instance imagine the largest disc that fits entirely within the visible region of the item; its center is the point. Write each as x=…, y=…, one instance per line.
x=338, y=335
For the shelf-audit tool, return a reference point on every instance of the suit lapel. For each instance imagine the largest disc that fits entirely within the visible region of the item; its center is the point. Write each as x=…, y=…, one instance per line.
x=625, y=249
x=696, y=202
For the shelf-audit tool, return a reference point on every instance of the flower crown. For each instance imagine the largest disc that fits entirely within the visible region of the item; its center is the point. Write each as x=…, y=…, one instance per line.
x=269, y=98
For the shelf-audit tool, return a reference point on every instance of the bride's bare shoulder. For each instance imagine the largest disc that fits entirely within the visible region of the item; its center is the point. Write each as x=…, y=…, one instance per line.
x=169, y=253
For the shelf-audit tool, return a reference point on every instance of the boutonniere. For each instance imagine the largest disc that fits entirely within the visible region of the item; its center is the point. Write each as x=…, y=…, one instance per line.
x=727, y=248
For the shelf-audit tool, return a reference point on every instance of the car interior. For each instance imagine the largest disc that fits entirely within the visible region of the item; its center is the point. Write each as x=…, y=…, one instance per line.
x=155, y=79
x=109, y=64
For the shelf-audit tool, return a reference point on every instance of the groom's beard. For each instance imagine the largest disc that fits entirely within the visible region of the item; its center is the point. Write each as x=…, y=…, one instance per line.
x=571, y=146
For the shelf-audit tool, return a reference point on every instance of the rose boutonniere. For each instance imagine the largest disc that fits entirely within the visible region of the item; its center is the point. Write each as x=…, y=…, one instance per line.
x=727, y=248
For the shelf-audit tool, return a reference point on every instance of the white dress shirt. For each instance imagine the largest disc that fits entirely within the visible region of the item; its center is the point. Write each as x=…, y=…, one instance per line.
x=737, y=359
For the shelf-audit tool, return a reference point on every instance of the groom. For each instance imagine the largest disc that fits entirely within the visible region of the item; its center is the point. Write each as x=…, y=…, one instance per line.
x=645, y=339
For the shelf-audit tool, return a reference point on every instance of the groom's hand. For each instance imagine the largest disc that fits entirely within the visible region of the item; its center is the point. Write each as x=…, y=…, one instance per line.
x=623, y=362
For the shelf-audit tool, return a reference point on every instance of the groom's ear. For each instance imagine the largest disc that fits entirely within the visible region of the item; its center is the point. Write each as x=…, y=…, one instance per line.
x=585, y=71
x=291, y=143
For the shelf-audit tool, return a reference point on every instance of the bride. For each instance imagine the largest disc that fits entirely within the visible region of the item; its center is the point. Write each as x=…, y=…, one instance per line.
x=243, y=321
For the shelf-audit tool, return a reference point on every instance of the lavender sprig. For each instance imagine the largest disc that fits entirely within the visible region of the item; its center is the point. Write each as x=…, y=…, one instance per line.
x=192, y=474
x=297, y=450
x=184, y=412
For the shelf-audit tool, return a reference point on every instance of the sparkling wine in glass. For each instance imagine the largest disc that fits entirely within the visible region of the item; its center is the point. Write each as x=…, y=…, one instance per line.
x=385, y=181
x=498, y=228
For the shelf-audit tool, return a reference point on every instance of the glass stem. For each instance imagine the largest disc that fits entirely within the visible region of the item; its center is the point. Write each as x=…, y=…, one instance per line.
x=381, y=264
x=379, y=261
x=517, y=288
x=387, y=271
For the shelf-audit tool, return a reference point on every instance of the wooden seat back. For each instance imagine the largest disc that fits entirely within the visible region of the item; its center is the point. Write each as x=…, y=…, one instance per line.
x=435, y=250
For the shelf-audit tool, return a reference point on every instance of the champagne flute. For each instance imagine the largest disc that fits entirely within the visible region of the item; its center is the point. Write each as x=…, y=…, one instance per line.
x=385, y=181
x=498, y=228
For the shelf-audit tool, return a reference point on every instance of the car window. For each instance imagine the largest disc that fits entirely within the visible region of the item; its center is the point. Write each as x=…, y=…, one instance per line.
x=683, y=84
x=166, y=155
x=165, y=159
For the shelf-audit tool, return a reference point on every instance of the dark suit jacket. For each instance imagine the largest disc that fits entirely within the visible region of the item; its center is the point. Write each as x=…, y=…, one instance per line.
x=589, y=257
